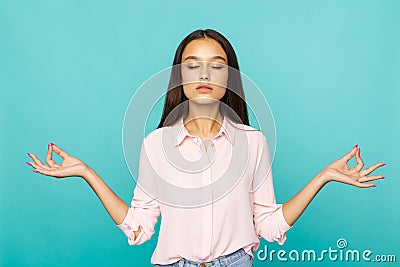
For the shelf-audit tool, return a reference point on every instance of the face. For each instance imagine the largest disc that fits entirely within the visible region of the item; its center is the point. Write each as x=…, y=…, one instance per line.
x=204, y=71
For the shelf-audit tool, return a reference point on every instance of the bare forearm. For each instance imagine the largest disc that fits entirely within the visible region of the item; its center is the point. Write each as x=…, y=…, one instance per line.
x=115, y=206
x=294, y=207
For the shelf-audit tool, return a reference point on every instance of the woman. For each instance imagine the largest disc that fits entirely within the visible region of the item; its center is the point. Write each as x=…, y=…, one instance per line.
x=205, y=114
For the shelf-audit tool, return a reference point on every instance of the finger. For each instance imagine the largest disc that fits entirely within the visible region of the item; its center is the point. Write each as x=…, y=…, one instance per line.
x=361, y=185
x=370, y=178
x=371, y=168
x=33, y=164
x=37, y=161
x=59, y=151
x=49, y=155
x=360, y=163
x=351, y=181
x=47, y=172
x=351, y=154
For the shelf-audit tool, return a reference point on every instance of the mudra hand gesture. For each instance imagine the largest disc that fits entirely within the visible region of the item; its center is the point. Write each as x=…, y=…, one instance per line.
x=70, y=166
x=339, y=171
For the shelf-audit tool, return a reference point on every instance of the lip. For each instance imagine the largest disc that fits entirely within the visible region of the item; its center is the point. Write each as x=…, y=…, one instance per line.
x=204, y=88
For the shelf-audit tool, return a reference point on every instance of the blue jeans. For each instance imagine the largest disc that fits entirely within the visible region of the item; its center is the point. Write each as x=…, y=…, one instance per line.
x=239, y=258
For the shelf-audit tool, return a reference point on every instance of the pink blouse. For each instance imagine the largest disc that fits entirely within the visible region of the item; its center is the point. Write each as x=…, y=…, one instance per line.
x=212, y=200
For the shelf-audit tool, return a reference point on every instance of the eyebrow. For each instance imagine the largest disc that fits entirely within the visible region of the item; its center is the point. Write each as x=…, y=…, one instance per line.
x=214, y=57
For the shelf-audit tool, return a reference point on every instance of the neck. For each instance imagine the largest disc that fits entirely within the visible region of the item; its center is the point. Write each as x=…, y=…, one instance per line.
x=203, y=120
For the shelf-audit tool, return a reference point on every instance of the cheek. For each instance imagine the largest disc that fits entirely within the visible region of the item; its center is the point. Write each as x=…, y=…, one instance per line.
x=219, y=92
x=189, y=76
x=189, y=90
x=220, y=78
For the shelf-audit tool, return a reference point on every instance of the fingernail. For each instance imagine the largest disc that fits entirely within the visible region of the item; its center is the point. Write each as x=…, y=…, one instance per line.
x=383, y=177
x=355, y=146
x=359, y=151
x=28, y=163
x=35, y=171
x=383, y=164
x=374, y=185
x=29, y=155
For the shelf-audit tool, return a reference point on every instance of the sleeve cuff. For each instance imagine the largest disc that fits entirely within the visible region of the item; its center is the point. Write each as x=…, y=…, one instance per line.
x=283, y=225
x=129, y=226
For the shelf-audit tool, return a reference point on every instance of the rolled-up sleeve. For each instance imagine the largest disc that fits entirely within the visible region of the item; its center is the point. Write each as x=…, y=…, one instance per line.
x=144, y=209
x=269, y=221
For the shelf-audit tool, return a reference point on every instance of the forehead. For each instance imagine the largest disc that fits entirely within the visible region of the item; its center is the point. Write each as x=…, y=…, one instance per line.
x=203, y=49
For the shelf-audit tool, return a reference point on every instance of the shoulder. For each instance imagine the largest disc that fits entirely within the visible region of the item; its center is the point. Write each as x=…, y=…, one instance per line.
x=155, y=133
x=251, y=132
x=256, y=139
x=160, y=135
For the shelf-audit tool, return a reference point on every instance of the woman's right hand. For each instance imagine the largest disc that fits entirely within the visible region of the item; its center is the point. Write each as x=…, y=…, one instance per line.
x=70, y=165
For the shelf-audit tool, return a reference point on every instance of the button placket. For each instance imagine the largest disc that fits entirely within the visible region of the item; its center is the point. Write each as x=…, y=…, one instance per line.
x=206, y=176
x=210, y=192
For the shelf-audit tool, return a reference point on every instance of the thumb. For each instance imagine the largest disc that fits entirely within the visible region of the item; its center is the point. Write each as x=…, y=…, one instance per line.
x=59, y=151
x=351, y=154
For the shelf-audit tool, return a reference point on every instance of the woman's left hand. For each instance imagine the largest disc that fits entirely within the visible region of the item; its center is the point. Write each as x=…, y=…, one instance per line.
x=339, y=171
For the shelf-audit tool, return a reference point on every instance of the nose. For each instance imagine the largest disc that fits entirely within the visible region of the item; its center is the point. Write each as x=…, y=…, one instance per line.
x=204, y=74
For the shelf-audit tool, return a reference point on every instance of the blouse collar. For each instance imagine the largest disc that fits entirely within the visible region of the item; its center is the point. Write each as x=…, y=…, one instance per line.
x=226, y=129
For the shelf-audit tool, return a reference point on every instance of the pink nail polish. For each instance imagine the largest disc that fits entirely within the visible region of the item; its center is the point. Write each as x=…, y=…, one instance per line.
x=374, y=185
x=383, y=164
x=355, y=146
x=29, y=155
x=359, y=149
x=28, y=163
x=35, y=171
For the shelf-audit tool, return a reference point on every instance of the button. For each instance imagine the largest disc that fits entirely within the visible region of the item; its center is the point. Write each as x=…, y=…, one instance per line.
x=202, y=265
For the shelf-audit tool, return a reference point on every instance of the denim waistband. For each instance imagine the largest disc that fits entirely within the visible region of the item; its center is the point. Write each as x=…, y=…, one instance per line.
x=220, y=261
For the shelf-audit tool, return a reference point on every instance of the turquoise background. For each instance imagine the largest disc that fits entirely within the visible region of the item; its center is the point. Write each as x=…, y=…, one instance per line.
x=329, y=70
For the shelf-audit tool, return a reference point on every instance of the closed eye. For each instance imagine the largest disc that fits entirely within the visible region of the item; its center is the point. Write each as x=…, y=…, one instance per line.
x=217, y=65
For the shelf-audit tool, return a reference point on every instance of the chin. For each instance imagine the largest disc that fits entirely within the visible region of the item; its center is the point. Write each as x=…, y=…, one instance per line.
x=204, y=100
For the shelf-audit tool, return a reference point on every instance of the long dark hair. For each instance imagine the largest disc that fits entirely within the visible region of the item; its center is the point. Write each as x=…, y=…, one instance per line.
x=234, y=95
